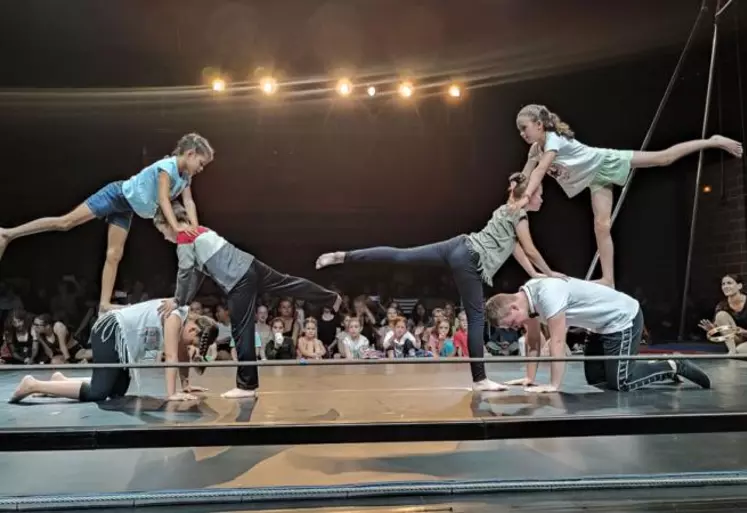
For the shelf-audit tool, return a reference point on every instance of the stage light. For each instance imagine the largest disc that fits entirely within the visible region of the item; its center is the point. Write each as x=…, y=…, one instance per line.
x=455, y=91
x=371, y=90
x=344, y=87
x=406, y=89
x=706, y=189
x=218, y=85
x=268, y=85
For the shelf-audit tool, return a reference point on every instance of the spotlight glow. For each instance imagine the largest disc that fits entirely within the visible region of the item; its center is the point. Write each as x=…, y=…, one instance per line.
x=218, y=85
x=344, y=87
x=707, y=189
x=371, y=90
x=268, y=85
x=406, y=89
x=455, y=91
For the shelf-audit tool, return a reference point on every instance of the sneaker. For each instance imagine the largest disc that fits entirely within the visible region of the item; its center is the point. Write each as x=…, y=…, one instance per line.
x=692, y=372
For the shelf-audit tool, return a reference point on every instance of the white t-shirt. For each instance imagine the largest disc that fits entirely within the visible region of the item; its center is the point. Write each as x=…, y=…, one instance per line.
x=356, y=347
x=398, y=345
x=141, y=328
x=587, y=305
x=575, y=164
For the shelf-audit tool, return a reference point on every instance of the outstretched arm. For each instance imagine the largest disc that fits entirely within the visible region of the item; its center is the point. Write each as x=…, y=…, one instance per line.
x=527, y=245
x=164, y=199
x=535, y=179
x=523, y=260
x=558, y=330
x=189, y=205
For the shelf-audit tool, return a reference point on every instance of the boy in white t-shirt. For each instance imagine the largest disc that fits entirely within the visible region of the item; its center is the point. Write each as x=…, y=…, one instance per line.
x=614, y=319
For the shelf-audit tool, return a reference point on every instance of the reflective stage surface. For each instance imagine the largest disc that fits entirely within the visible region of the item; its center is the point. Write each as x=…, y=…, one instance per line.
x=369, y=394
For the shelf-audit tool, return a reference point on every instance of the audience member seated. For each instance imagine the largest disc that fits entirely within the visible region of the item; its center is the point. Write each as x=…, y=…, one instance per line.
x=261, y=326
x=53, y=340
x=225, y=346
x=328, y=328
x=286, y=313
x=419, y=320
x=440, y=342
x=366, y=320
x=400, y=343
x=309, y=346
x=460, y=336
x=731, y=312
x=354, y=345
x=392, y=314
x=18, y=343
x=280, y=347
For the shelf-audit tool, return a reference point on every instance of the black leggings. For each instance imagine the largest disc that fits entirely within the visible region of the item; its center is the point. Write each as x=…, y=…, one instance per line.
x=105, y=383
x=453, y=253
x=261, y=278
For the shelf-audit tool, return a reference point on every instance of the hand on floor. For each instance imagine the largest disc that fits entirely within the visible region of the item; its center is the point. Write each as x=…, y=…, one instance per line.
x=194, y=389
x=181, y=396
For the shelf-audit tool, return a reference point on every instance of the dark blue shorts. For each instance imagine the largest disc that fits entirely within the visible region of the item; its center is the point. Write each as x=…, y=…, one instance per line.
x=109, y=204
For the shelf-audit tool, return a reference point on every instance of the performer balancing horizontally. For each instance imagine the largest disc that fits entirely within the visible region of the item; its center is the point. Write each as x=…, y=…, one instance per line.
x=473, y=259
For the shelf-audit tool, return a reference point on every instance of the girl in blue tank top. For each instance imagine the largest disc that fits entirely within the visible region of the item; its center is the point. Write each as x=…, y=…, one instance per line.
x=153, y=187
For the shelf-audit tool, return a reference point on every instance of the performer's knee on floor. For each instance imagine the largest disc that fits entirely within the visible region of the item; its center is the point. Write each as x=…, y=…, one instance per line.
x=86, y=395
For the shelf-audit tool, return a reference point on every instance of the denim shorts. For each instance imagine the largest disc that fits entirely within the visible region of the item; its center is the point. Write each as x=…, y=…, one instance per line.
x=109, y=204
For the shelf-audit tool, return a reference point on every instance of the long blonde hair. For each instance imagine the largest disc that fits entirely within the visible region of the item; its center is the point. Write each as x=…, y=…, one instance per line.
x=550, y=121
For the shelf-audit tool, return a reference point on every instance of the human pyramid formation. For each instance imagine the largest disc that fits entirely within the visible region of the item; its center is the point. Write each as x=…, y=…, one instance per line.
x=614, y=319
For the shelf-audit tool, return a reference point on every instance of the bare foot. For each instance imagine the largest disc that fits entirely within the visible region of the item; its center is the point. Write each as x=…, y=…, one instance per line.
x=487, y=385
x=239, y=393
x=58, y=376
x=4, y=241
x=328, y=259
x=729, y=145
x=605, y=282
x=25, y=388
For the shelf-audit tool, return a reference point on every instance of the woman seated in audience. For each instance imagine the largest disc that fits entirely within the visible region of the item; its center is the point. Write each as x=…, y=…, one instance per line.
x=366, y=320
x=419, y=320
x=287, y=314
x=20, y=347
x=731, y=312
x=53, y=340
x=224, y=348
x=309, y=346
x=261, y=326
x=280, y=347
x=400, y=343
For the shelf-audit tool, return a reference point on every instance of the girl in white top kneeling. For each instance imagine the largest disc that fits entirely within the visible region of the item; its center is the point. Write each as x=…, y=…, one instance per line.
x=128, y=335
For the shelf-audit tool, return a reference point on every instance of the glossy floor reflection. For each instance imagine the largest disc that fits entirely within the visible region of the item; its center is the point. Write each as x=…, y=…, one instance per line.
x=306, y=394
x=392, y=393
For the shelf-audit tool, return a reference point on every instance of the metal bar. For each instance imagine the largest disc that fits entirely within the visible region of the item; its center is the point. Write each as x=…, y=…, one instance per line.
x=654, y=123
x=475, y=429
x=726, y=6
x=698, y=175
x=398, y=361
x=355, y=493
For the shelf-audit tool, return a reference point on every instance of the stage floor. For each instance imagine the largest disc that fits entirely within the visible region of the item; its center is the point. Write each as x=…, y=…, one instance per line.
x=370, y=394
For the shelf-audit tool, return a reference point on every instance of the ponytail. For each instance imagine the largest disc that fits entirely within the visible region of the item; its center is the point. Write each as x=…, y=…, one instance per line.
x=550, y=121
x=517, y=185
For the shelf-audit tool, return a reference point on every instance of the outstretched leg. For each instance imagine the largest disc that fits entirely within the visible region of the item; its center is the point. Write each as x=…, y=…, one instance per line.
x=601, y=205
x=670, y=155
x=429, y=254
x=279, y=284
x=81, y=214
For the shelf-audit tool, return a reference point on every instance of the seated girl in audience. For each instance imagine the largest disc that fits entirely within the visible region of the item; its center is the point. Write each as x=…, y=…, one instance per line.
x=327, y=329
x=354, y=345
x=310, y=347
x=287, y=314
x=460, y=336
x=419, y=320
x=280, y=347
x=392, y=314
x=440, y=342
x=400, y=343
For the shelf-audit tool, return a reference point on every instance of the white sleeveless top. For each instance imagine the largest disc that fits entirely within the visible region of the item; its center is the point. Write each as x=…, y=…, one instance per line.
x=140, y=328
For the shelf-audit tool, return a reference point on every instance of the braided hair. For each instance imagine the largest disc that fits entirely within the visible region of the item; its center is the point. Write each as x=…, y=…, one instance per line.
x=208, y=333
x=550, y=121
